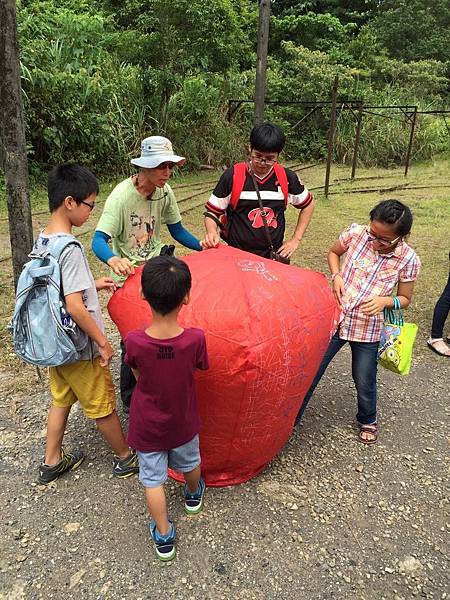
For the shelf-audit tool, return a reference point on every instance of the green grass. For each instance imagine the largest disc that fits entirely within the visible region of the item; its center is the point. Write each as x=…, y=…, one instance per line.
x=430, y=235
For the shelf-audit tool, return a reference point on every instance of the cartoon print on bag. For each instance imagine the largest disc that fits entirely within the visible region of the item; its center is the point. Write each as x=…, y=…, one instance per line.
x=390, y=343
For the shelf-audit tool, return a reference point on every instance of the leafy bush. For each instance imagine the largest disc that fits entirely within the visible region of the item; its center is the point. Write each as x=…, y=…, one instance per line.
x=384, y=139
x=81, y=103
x=197, y=118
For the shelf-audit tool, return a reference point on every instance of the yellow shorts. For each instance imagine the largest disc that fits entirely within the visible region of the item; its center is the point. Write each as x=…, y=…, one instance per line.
x=88, y=383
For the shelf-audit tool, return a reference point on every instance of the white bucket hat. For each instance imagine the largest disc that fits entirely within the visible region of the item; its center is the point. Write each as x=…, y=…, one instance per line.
x=156, y=150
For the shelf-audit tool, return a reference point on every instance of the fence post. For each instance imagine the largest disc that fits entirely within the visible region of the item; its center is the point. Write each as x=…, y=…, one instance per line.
x=357, y=136
x=411, y=138
x=331, y=133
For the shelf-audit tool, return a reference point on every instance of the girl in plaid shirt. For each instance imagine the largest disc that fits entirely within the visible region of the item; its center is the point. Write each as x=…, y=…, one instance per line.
x=376, y=260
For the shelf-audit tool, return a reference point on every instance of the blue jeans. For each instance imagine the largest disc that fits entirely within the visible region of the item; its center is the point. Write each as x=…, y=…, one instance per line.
x=364, y=373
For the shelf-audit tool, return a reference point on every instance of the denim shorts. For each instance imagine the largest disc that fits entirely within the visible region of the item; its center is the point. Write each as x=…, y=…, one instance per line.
x=153, y=465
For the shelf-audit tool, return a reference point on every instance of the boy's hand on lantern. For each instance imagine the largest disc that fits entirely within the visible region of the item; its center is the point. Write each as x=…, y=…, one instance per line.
x=121, y=266
x=106, y=283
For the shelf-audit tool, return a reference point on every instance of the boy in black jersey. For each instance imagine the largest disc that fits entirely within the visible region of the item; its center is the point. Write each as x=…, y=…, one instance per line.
x=233, y=207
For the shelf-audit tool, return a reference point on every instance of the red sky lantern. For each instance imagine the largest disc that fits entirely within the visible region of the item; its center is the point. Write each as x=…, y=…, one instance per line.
x=267, y=328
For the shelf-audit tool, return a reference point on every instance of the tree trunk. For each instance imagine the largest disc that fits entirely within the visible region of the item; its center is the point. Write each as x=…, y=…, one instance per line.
x=261, y=60
x=13, y=154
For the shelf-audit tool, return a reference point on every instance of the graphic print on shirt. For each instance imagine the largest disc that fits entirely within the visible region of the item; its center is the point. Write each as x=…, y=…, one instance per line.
x=255, y=216
x=142, y=232
x=165, y=352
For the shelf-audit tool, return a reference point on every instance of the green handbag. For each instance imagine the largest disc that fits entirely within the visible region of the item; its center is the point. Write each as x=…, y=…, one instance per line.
x=396, y=342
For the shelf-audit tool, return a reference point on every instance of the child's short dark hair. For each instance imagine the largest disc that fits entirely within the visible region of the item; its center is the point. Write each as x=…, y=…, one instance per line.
x=395, y=213
x=70, y=180
x=267, y=137
x=165, y=283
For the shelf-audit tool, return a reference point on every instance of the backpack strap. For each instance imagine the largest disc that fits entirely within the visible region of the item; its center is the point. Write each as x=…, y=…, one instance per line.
x=239, y=173
x=57, y=248
x=280, y=173
x=61, y=244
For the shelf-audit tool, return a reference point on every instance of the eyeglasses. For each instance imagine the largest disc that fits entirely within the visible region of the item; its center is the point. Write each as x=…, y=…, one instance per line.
x=263, y=161
x=382, y=242
x=165, y=165
x=91, y=206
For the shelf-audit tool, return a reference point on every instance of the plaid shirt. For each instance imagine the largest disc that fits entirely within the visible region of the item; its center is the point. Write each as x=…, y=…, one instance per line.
x=367, y=273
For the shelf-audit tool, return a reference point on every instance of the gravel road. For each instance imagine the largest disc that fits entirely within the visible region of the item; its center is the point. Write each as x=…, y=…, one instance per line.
x=329, y=518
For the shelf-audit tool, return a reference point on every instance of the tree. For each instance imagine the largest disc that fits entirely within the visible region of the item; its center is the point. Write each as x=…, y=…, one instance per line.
x=12, y=129
x=358, y=12
x=414, y=29
x=177, y=39
x=261, y=60
x=323, y=32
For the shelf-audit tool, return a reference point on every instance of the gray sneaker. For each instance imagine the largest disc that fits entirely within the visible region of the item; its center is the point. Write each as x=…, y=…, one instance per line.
x=69, y=462
x=126, y=467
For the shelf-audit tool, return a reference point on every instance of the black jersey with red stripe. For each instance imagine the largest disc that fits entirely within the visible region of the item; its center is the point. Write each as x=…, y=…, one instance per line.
x=245, y=227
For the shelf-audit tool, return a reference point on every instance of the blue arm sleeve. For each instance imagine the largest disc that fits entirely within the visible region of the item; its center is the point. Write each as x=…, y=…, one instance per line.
x=182, y=236
x=100, y=246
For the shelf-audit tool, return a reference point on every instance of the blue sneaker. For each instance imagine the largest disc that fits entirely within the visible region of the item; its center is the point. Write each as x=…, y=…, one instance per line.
x=164, y=544
x=193, y=503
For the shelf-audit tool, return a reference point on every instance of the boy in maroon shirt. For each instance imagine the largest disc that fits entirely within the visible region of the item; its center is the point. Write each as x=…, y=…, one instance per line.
x=164, y=422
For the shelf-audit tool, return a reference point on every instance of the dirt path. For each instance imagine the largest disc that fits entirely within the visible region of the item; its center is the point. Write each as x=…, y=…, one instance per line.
x=328, y=519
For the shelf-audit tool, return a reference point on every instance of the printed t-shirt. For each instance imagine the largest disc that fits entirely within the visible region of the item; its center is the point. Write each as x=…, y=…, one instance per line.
x=164, y=412
x=245, y=224
x=368, y=273
x=76, y=276
x=134, y=223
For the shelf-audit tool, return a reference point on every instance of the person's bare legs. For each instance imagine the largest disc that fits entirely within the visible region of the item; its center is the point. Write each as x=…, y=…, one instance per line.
x=56, y=426
x=111, y=430
x=192, y=478
x=157, y=506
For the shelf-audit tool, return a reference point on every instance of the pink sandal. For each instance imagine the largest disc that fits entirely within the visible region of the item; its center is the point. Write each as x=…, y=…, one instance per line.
x=371, y=430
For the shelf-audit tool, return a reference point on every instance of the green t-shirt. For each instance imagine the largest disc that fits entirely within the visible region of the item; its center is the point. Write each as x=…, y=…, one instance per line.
x=134, y=223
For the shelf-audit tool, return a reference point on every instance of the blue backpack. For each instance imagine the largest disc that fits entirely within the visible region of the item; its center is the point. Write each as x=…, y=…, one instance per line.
x=43, y=332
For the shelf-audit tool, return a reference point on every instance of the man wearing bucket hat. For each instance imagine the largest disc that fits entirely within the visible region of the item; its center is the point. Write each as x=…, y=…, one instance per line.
x=131, y=222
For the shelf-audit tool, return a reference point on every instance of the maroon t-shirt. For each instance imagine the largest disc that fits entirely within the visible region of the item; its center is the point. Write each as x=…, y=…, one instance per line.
x=164, y=413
